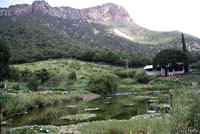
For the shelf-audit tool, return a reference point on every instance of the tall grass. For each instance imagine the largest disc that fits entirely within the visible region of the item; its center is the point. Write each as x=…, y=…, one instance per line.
x=144, y=126
x=185, y=112
x=12, y=105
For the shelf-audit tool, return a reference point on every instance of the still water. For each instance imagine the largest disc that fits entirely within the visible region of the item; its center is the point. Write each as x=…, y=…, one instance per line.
x=118, y=107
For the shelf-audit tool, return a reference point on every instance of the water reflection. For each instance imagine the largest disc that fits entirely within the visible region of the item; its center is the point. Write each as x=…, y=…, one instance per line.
x=115, y=107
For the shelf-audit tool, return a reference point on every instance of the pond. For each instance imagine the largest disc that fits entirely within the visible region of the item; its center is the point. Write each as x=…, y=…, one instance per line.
x=120, y=107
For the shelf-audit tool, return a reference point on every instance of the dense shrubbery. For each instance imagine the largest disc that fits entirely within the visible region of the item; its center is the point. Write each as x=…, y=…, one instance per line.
x=142, y=77
x=185, y=111
x=194, y=115
x=11, y=105
x=72, y=76
x=16, y=87
x=157, y=87
x=33, y=83
x=198, y=65
x=128, y=81
x=103, y=83
x=123, y=73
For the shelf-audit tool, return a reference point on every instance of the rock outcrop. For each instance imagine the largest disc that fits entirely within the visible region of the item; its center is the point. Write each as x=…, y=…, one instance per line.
x=105, y=12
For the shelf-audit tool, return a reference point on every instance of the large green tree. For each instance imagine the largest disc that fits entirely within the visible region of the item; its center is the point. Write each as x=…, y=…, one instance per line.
x=42, y=75
x=4, y=59
x=169, y=56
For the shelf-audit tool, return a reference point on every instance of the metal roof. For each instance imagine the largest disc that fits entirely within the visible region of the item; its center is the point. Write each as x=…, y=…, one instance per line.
x=148, y=67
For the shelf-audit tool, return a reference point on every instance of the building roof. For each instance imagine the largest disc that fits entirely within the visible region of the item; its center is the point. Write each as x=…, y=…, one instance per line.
x=148, y=67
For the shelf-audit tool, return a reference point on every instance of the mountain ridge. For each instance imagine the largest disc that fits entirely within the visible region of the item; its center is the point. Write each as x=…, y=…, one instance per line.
x=105, y=12
x=36, y=32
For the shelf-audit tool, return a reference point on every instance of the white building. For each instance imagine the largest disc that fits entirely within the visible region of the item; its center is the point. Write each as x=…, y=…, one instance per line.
x=170, y=72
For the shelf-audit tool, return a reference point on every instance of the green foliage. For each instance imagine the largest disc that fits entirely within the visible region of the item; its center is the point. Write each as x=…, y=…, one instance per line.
x=40, y=36
x=1, y=85
x=26, y=74
x=140, y=126
x=33, y=83
x=4, y=59
x=72, y=76
x=169, y=58
x=157, y=87
x=142, y=77
x=194, y=115
x=189, y=78
x=183, y=43
x=139, y=59
x=185, y=111
x=4, y=99
x=16, y=87
x=103, y=83
x=15, y=74
x=128, y=81
x=42, y=75
x=10, y=105
x=198, y=65
x=122, y=73
x=166, y=56
x=88, y=55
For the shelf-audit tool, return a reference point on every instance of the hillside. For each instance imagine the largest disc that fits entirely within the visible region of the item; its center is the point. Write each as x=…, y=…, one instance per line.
x=39, y=31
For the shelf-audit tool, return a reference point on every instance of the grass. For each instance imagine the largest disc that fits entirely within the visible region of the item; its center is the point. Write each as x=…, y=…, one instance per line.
x=184, y=115
x=184, y=105
x=13, y=104
x=60, y=69
x=143, y=126
x=185, y=111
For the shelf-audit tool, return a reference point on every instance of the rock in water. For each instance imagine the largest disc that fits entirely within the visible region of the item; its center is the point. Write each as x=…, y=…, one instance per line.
x=78, y=117
x=92, y=109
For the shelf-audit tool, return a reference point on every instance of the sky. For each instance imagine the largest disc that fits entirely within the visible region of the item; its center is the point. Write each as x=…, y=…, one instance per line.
x=158, y=15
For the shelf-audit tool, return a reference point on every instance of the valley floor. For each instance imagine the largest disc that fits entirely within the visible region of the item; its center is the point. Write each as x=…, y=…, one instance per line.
x=184, y=112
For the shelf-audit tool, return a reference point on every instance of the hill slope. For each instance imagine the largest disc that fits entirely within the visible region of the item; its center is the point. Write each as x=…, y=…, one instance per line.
x=39, y=30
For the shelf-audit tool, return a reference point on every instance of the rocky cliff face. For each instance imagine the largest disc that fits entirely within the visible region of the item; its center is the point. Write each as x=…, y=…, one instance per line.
x=106, y=12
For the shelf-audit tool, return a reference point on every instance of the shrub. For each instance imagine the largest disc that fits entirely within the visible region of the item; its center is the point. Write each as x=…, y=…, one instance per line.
x=39, y=100
x=142, y=77
x=11, y=105
x=72, y=76
x=4, y=99
x=33, y=84
x=194, y=115
x=157, y=87
x=128, y=81
x=123, y=73
x=16, y=87
x=185, y=111
x=103, y=84
x=1, y=85
x=198, y=65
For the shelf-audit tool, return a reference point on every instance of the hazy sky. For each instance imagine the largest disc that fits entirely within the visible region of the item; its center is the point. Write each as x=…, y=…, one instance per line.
x=160, y=15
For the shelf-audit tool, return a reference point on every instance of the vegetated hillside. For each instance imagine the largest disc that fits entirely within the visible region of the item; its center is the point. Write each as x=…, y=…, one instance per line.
x=60, y=70
x=39, y=31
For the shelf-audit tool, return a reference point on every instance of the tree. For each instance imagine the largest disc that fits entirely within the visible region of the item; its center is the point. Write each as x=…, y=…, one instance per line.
x=33, y=83
x=15, y=74
x=87, y=55
x=42, y=75
x=169, y=57
x=4, y=60
x=183, y=43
